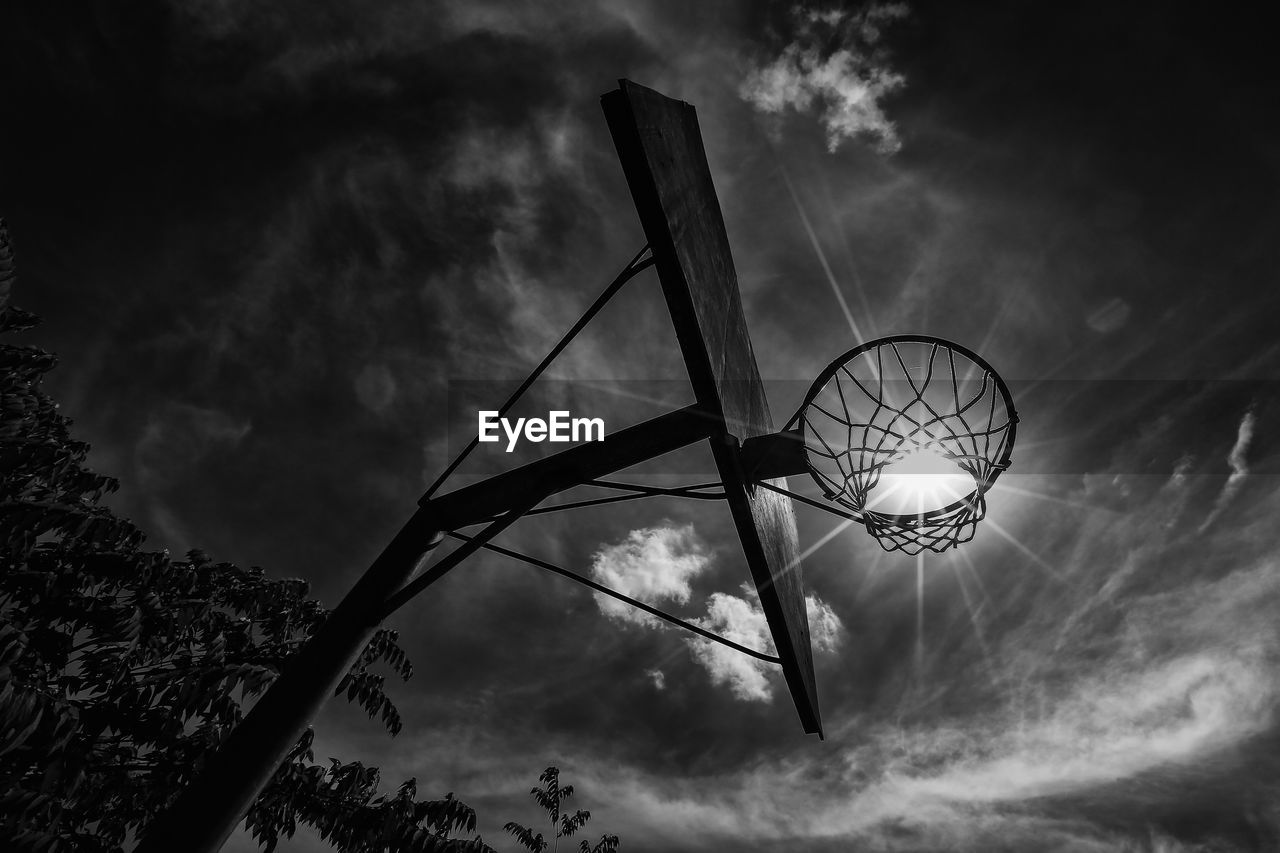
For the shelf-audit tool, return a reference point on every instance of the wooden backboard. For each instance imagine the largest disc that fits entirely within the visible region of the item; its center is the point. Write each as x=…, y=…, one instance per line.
x=660, y=147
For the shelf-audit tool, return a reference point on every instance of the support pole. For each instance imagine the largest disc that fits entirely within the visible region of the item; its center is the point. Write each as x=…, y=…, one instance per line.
x=209, y=809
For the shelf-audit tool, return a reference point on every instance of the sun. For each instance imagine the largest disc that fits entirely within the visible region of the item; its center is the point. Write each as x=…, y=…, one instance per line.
x=921, y=481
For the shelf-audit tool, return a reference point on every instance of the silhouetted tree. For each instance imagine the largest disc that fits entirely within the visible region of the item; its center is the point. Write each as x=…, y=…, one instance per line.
x=121, y=668
x=551, y=797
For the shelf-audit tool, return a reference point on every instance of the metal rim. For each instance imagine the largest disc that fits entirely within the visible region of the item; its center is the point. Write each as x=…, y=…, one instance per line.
x=973, y=499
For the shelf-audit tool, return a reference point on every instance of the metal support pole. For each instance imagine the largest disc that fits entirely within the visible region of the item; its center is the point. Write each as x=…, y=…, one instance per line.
x=209, y=809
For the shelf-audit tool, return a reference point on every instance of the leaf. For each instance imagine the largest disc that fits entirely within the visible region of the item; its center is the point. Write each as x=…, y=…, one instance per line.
x=569, y=824
x=526, y=837
x=119, y=666
x=607, y=844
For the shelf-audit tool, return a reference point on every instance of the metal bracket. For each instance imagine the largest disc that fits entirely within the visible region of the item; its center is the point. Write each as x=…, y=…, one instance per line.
x=779, y=454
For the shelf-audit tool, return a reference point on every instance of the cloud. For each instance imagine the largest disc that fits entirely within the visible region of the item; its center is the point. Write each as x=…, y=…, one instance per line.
x=167, y=530
x=176, y=439
x=653, y=564
x=658, y=677
x=657, y=564
x=825, y=627
x=1007, y=778
x=960, y=784
x=742, y=620
x=1109, y=317
x=1238, y=461
x=375, y=387
x=1114, y=726
x=845, y=85
x=179, y=435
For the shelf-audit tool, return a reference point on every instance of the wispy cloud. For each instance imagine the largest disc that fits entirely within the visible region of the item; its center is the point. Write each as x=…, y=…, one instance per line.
x=1238, y=461
x=1109, y=317
x=375, y=387
x=989, y=779
x=845, y=85
x=1149, y=686
x=175, y=441
x=180, y=435
x=1112, y=727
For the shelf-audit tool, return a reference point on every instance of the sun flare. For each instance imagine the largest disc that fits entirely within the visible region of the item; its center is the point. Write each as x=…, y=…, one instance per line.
x=921, y=481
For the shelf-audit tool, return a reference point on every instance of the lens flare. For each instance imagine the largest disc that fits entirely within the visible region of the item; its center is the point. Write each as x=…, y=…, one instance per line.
x=922, y=481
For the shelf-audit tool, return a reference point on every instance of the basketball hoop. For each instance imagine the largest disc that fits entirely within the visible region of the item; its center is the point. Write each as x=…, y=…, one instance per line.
x=909, y=433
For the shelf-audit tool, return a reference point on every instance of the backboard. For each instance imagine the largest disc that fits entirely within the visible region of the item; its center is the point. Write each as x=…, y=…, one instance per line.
x=660, y=146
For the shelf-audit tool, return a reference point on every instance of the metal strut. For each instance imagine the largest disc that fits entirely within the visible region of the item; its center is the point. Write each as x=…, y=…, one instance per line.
x=633, y=268
x=585, y=581
x=635, y=491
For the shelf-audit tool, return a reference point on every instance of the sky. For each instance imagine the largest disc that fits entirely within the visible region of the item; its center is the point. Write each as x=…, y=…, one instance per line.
x=281, y=253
